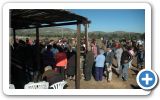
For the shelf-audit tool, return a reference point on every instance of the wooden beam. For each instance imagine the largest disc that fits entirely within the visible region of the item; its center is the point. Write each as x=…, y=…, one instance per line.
x=50, y=25
x=78, y=58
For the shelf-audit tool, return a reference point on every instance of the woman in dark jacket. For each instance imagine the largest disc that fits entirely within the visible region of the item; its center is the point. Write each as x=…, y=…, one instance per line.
x=89, y=61
x=71, y=56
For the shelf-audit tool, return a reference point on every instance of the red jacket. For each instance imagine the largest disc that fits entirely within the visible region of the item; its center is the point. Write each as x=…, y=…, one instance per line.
x=61, y=59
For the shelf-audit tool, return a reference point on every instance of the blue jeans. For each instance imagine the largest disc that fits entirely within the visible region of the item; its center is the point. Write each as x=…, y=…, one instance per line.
x=118, y=63
x=140, y=60
x=124, y=71
x=99, y=73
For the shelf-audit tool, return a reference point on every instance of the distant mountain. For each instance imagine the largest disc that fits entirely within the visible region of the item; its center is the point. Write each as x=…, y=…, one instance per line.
x=59, y=30
x=46, y=31
x=97, y=32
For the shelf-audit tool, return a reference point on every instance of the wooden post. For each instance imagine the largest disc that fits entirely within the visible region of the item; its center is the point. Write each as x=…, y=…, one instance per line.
x=14, y=35
x=86, y=36
x=14, y=41
x=38, y=52
x=78, y=58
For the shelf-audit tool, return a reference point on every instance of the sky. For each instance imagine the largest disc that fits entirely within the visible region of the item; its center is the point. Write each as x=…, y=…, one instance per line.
x=110, y=20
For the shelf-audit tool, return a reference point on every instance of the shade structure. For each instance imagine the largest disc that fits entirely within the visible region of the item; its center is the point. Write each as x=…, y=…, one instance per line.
x=38, y=18
x=31, y=18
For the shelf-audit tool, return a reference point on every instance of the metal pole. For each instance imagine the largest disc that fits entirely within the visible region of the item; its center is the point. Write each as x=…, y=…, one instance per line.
x=78, y=58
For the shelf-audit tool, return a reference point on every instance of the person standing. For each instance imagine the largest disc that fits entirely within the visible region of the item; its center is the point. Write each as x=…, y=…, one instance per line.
x=125, y=59
x=108, y=63
x=61, y=61
x=118, y=54
x=140, y=57
x=131, y=51
x=100, y=59
x=48, y=58
x=89, y=61
x=94, y=48
x=71, y=67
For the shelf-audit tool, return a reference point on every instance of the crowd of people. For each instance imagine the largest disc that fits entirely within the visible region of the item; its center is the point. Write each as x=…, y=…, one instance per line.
x=122, y=52
x=58, y=59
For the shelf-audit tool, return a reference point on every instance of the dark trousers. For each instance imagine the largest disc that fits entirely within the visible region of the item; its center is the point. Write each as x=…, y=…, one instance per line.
x=61, y=70
x=98, y=73
x=87, y=73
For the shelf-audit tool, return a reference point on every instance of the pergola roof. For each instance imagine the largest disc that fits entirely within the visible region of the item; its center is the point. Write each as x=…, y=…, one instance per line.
x=31, y=18
x=36, y=18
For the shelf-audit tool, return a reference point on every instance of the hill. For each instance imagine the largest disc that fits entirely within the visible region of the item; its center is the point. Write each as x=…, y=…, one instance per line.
x=67, y=32
x=45, y=31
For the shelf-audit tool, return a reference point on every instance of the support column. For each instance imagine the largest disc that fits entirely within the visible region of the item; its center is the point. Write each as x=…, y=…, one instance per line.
x=78, y=57
x=37, y=50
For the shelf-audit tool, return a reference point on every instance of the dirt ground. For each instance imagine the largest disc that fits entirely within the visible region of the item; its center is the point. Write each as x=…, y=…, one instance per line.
x=116, y=82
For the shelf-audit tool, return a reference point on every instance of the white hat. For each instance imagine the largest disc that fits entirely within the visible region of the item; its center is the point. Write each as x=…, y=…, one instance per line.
x=47, y=68
x=101, y=51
